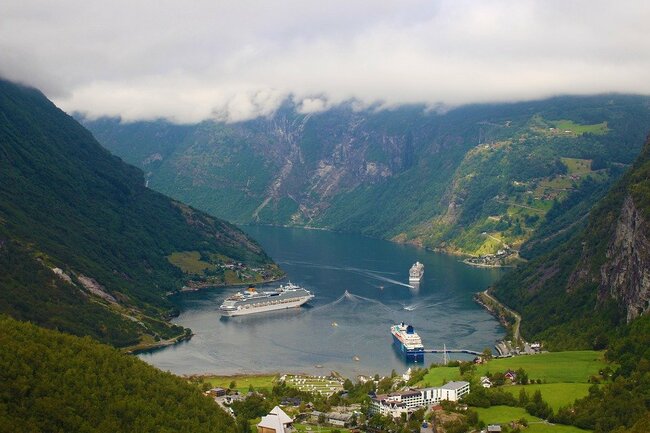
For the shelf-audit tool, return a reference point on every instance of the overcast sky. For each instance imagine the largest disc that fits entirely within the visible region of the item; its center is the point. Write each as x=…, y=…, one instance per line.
x=236, y=59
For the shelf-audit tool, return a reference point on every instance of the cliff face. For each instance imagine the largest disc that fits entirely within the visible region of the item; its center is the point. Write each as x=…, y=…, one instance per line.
x=625, y=276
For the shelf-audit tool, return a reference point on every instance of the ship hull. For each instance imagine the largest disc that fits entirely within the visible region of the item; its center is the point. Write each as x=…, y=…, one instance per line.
x=416, y=355
x=263, y=308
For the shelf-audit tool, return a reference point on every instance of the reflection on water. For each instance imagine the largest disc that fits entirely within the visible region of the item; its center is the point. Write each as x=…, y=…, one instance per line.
x=361, y=287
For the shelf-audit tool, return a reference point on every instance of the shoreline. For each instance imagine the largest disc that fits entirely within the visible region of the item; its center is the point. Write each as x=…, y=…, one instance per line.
x=500, y=312
x=141, y=348
x=206, y=286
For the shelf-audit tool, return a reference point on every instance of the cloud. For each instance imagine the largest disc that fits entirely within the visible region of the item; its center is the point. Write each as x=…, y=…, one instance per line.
x=237, y=59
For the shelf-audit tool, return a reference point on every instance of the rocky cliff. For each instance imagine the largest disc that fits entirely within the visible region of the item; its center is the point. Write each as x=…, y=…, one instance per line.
x=625, y=276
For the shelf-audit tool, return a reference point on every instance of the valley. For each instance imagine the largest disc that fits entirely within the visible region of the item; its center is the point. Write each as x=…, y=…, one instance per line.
x=470, y=181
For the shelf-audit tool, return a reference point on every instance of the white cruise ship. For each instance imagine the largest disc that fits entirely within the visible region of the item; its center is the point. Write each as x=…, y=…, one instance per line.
x=251, y=301
x=408, y=342
x=416, y=272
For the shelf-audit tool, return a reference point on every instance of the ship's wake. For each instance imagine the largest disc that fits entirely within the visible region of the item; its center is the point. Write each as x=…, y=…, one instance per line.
x=388, y=280
x=372, y=273
x=423, y=304
x=356, y=299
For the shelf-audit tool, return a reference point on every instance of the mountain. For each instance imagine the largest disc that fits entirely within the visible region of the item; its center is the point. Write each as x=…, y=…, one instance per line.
x=85, y=247
x=53, y=382
x=582, y=292
x=469, y=180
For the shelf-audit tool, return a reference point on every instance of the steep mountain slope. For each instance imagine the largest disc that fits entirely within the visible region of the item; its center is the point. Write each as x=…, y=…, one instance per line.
x=52, y=382
x=80, y=233
x=583, y=290
x=468, y=180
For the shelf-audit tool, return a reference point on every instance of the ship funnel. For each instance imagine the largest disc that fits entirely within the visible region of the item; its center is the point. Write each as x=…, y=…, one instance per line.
x=409, y=329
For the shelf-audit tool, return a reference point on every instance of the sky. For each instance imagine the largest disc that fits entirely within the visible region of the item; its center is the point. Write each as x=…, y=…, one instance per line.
x=233, y=60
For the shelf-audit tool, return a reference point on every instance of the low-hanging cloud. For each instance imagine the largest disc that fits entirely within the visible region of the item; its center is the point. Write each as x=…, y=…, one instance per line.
x=238, y=59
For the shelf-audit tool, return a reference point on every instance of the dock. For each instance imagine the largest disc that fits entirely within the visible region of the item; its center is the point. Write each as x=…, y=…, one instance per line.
x=469, y=352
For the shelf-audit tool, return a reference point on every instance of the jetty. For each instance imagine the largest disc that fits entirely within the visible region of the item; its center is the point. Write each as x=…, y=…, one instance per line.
x=470, y=352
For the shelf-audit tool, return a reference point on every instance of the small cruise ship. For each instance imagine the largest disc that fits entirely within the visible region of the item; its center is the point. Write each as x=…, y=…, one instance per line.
x=416, y=272
x=251, y=301
x=408, y=342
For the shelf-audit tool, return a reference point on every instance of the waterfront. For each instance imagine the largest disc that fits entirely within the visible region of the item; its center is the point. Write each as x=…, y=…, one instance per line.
x=361, y=288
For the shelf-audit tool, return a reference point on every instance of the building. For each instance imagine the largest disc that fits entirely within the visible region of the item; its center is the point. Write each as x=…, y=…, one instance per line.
x=338, y=419
x=408, y=401
x=486, y=382
x=277, y=421
x=216, y=392
x=510, y=375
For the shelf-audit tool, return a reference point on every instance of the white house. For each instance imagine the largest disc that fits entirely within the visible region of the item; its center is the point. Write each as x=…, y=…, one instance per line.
x=277, y=421
x=486, y=382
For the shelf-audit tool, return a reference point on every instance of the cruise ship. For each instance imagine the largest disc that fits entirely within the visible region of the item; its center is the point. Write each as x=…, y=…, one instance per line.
x=416, y=272
x=408, y=342
x=251, y=301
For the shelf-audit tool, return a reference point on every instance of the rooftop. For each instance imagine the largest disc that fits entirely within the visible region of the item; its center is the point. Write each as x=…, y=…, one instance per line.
x=456, y=385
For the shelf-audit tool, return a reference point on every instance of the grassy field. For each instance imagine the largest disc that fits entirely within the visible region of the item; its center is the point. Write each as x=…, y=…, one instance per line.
x=259, y=382
x=503, y=414
x=577, y=166
x=189, y=262
x=554, y=367
x=576, y=128
x=436, y=376
x=555, y=394
x=553, y=428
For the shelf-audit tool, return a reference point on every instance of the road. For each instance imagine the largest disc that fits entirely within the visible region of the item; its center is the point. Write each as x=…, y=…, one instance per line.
x=515, y=326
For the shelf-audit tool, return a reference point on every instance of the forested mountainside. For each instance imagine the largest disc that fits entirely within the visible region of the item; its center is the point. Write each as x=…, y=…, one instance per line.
x=85, y=247
x=469, y=180
x=53, y=382
x=582, y=292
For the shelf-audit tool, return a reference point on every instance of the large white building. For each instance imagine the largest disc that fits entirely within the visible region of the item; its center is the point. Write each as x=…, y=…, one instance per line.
x=397, y=403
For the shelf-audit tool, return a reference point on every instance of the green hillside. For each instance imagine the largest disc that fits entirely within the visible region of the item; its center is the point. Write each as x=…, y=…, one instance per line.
x=67, y=204
x=471, y=180
x=580, y=293
x=52, y=382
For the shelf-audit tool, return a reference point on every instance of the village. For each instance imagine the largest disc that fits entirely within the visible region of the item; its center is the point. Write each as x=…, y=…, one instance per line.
x=330, y=404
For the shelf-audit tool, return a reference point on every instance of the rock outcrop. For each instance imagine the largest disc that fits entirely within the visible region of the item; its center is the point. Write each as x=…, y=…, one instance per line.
x=625, y=276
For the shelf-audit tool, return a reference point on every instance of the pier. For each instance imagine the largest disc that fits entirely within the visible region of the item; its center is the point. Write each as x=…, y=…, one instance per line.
x=470, y=352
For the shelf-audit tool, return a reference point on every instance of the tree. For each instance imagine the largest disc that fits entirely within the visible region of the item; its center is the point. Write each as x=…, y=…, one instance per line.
x=522, y=377
x=487, y=354
x=523, y=398
x=233, y=385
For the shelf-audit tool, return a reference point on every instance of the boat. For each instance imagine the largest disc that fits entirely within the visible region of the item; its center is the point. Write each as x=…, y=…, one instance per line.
x=251, y=301
x=408, y=342
x=416, y=272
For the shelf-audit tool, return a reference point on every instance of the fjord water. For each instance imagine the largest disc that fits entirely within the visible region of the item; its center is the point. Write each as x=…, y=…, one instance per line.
x=361, y=287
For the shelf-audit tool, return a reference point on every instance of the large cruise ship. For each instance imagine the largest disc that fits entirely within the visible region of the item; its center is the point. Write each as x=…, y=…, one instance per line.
x=416, y=272
x=408, y=342
x=252, y=301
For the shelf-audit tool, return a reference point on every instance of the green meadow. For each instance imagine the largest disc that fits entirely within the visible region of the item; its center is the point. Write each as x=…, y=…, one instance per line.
x=553, y=367
x=243, y=382
x=555, y=394
x=503, y=414
x=576, y=128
